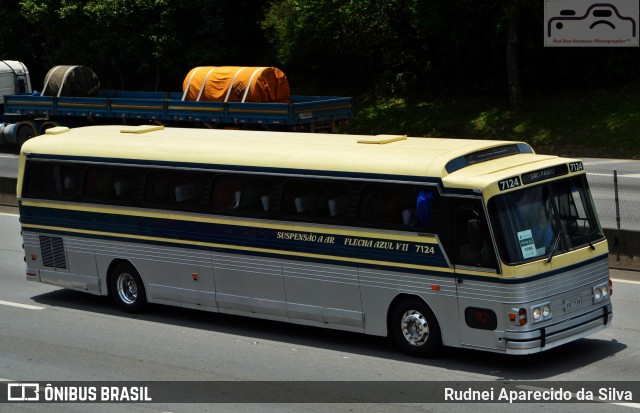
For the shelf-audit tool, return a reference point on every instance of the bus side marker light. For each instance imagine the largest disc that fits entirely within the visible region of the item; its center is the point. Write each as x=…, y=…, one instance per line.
x=34, y=257
x=194, y=276
x=435, y=287
x=519, y=317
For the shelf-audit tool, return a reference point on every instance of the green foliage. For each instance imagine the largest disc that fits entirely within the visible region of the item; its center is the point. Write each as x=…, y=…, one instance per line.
x=412, y=49
x=601, y=123
x=345, y=44
x=141, y=44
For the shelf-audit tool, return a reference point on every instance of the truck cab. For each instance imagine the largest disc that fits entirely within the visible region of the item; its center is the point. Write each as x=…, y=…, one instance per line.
x=14, y=79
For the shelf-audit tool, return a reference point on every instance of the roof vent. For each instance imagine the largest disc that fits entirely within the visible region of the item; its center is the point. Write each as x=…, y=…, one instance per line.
x=141, y=129
x=384, y=139
x=58, y=130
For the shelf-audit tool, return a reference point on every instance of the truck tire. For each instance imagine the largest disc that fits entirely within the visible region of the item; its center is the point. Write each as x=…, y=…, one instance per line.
x=26, y=131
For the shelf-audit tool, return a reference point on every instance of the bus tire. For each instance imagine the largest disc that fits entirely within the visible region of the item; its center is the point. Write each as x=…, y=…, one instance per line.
x=127, y=288
x=414, y=328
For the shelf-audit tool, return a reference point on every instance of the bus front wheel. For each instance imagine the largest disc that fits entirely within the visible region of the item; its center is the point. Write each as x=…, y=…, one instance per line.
x=127, y=289
x=415, y=329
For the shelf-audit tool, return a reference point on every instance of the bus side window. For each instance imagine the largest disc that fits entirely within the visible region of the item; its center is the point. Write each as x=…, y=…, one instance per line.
x=173, y=188
x=315, y=199
x=472, y=242
x=232, y=193
x=51, y=181
x=110, y=184
x=400, y=205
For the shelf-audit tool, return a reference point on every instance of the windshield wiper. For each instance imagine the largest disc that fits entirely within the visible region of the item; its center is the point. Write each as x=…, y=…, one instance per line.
x=554, y=246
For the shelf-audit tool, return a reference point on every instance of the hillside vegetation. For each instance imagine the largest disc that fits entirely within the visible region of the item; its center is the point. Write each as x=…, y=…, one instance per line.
x=603, y=123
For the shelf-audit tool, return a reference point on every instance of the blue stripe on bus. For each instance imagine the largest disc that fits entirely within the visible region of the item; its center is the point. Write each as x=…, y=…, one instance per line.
x=323, y=243
x=82, y=221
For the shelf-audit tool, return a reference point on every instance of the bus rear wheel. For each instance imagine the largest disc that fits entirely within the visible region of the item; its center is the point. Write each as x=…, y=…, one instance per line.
x=127, y=289
x=415, y=329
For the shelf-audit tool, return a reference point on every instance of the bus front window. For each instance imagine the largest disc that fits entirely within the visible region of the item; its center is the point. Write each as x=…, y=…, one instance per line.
x=528, y=221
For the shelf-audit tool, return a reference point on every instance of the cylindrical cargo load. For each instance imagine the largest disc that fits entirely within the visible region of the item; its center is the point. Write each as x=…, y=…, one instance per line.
x=236, y=84
x=76, y=81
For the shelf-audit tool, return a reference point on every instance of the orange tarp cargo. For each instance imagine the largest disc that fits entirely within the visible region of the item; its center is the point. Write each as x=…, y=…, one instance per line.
x=236, y=84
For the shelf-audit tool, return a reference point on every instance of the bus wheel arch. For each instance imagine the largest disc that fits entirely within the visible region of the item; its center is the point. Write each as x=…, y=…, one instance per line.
x=413, y=326
x=126, y=286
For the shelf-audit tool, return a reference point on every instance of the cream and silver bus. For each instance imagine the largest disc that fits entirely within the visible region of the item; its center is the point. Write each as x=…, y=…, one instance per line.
x=465, y=243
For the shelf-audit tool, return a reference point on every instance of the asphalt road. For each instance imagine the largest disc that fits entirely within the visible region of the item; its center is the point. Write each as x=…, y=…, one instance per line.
x=51, y=334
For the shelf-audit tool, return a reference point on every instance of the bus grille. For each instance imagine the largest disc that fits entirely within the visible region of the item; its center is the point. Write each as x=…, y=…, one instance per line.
x=53, y=252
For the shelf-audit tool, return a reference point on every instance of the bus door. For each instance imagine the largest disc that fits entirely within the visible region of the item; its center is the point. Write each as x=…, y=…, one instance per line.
x=476, y=267
x=195, y=279
x=249, y=284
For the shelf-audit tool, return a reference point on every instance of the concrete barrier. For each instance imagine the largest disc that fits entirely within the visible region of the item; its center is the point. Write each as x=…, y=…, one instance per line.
x=624, y=245
x=8, y=191
x=624, y=249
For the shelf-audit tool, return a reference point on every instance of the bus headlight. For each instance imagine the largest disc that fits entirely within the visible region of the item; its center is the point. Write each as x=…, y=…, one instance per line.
x=601, y=292
x=597, y=294
x=537, y=313
x=541, y=312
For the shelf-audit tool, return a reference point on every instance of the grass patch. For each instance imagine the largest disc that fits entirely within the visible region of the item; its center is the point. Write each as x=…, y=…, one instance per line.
x=603, y=123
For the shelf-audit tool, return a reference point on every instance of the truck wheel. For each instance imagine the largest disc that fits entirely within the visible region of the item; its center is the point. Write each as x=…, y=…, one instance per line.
x=415, y=329
x=127, y=289
x=25, y=133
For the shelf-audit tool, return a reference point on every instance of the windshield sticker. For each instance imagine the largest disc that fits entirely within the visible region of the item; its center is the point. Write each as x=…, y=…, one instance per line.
x=527, y=245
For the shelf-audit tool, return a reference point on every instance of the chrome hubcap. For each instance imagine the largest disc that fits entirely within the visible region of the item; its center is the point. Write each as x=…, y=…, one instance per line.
x=415, y=328
x=127, y=288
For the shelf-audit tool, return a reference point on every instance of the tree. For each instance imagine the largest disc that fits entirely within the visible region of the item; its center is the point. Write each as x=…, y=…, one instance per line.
x=512, y=14
x=141, y=44
x=348, y=45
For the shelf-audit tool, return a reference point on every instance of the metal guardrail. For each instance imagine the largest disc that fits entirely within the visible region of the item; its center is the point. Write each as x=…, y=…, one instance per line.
x=8, y=191
x=618, y=198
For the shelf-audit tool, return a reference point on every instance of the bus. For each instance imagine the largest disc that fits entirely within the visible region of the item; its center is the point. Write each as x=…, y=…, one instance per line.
x=433, y=242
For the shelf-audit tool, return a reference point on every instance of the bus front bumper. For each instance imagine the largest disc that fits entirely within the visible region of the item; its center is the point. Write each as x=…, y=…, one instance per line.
x=550, y=336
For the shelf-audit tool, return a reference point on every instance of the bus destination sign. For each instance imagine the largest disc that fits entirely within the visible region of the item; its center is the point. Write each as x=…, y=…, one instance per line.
x=544, y=174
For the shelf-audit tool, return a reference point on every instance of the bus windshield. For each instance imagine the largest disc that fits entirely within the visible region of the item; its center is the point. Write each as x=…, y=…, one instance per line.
x=544, y=220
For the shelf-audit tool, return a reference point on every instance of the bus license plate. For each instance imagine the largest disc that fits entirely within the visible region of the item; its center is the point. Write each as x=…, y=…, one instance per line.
x=572, y=303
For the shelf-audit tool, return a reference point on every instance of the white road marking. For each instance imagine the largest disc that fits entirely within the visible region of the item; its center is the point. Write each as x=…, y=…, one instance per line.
x=26, y=306
x=617, y=280
x=611, y=175
x=589, y=163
